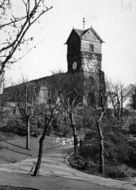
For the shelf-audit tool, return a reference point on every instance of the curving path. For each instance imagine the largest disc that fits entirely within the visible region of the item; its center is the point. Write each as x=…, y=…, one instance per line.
x=55, y=173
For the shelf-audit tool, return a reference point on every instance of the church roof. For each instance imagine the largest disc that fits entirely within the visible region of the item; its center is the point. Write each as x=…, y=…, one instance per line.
x=93, y=30
x=81, y=33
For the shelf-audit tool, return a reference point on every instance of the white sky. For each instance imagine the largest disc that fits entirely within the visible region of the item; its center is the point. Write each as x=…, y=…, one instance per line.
x=114, y=21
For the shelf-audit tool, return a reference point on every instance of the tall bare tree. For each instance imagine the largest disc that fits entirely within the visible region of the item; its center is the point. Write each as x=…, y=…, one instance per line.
x=98, y=120
x=118, y=94
x=96, y=115
x=97, y=111
x=15, y=25
x=26, y=96
x=69, y=88
x=48, y=112
x=132, y=102
x=71, y=110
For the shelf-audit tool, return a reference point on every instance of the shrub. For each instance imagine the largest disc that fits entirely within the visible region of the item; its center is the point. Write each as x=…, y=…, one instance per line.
x=132, y=153
x=89, y=150
x=132, y=128
x=117, y=148
x=91, y=137
x=16, y=125
x=114, y=172
x=36, y=126
x=60, y=127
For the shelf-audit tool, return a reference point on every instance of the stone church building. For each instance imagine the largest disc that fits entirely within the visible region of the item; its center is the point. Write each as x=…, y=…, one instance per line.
x=84, y=56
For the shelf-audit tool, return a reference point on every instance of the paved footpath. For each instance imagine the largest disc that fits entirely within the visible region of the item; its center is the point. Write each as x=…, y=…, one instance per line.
x=54, y=164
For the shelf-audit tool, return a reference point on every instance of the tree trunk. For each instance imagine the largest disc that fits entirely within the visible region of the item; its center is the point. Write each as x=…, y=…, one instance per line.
x=102, y=167
x=75, y=141
x=28, y=134
x=38, y=164
x=121, y=106
x=41, y=141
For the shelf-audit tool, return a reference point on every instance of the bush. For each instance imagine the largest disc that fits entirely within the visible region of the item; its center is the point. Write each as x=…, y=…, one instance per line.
x=89, y=150
x=132, y=153
x=91, y=137
x=114, y=172
x=35, y=126
x=132, y=128
x=16, y=125
x=118, y=148
x=60, y=127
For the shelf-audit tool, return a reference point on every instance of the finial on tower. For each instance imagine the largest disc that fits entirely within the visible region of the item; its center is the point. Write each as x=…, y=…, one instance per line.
x=83, y=23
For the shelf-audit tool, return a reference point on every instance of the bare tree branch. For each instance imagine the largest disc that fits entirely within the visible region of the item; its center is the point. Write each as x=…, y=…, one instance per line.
x=21, y=25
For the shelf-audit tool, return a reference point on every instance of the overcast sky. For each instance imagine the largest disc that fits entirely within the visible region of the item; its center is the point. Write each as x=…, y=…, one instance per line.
x=114, y=21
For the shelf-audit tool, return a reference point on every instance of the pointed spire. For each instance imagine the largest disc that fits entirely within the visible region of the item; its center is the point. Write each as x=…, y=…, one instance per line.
x=83, y=23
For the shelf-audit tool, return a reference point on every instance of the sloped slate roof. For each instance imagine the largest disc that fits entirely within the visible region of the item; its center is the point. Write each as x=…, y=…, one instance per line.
x=80, y=33
x=96, y=34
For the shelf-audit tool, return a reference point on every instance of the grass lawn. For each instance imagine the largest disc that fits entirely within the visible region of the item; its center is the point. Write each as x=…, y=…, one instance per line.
x=47, y=183
x=12, y=148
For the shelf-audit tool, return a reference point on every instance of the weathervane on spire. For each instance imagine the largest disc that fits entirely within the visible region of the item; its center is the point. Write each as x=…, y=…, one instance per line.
x=83, y=23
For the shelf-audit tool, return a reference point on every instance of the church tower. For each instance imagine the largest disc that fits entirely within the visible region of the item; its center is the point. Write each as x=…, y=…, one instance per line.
x=84, y=54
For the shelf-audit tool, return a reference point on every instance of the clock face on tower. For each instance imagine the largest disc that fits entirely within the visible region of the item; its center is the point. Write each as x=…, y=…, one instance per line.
x=74, y=65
